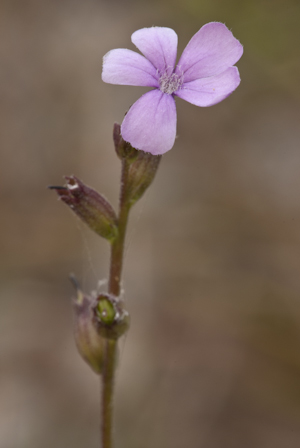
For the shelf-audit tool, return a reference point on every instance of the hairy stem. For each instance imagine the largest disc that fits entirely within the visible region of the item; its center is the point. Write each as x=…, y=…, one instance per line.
x=116, y=262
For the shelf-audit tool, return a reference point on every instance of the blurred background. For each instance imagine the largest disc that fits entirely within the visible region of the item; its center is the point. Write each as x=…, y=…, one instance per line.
x=212, y=359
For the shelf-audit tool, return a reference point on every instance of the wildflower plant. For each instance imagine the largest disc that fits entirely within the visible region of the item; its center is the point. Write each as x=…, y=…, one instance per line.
x=204, y=75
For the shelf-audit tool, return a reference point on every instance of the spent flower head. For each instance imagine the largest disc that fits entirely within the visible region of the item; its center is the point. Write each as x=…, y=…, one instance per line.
x=204, y=76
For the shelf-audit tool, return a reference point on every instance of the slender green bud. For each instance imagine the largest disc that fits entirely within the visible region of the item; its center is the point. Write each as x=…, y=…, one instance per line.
x=111, y=319
x=89, y=342
x=90, y=206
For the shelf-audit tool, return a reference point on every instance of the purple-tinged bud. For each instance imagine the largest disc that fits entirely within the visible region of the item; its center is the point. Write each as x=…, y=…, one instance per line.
x=123, y=149
x=89, y=342
x=90, y=206
x=141, y=174
x=111, y=319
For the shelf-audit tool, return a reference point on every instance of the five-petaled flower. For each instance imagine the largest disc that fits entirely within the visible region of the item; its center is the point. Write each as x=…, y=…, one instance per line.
x=204, y=76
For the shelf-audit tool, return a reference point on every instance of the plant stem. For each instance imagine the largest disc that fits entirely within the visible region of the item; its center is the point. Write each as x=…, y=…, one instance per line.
x=117, y=248
x=116, y=262
x=107, y=392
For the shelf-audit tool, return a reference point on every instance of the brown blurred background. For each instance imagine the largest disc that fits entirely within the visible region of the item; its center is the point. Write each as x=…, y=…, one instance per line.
x=212, y=359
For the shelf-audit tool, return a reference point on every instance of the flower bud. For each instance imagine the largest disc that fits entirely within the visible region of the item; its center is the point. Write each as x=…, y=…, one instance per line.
x=141, y=174
x=90, y=206
x=111, y=319
x=89, y=342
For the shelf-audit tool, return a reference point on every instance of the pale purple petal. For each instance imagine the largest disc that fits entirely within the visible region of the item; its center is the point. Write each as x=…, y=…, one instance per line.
x=126, y=67
x=210, y=52
x=159, y=45
x=208, y=91
x=150, y=124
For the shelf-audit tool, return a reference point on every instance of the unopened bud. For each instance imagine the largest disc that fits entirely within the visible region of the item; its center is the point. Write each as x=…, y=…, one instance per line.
x=89, y=342
x=111, y=319
x=90, y=206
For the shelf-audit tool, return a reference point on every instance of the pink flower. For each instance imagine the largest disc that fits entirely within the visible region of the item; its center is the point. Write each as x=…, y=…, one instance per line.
x=203, y=76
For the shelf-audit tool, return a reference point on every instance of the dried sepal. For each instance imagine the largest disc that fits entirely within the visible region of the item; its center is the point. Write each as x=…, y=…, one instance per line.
x=89, y=342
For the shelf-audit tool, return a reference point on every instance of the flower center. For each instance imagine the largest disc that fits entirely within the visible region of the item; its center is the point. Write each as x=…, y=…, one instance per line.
x=170, y=83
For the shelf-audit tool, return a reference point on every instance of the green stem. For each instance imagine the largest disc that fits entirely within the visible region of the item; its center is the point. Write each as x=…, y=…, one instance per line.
x=116, y=262
x=107, y=393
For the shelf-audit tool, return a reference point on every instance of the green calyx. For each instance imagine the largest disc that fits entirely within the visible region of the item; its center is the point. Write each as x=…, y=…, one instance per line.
x=141, y=174
x=123, y=149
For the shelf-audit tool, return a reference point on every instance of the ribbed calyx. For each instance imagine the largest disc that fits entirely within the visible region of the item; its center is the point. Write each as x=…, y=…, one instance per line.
x=90, y=206
x=142, y=167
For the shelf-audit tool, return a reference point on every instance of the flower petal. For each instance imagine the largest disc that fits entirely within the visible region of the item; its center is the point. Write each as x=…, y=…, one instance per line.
x=210, y=52
x=150, y=124
x=126, y=67
x=159, y=45
x=208, y=91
